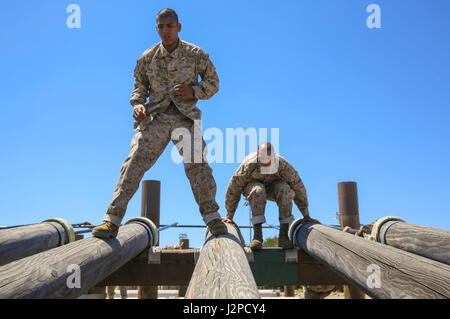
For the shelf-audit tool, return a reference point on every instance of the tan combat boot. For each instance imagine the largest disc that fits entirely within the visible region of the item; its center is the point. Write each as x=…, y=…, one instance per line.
x=283, y=238
x=257, y=241
x=217, y=227
x=105, y=230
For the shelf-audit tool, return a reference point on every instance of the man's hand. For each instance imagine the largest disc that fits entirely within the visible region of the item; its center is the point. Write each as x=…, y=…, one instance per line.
x=185, y=92
x=139, y=113
x=227, y=220
x=346, y=229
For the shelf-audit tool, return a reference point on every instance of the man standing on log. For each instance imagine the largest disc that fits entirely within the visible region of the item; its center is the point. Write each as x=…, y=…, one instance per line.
x=262, y=176
x=167, y=74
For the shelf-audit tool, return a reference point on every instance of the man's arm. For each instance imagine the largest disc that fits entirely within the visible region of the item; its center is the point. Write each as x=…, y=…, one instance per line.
x=209, y=85
x=141, y=85
x=235, y=189
x=290, y=175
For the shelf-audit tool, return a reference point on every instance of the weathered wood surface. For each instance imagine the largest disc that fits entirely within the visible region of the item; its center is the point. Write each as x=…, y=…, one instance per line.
x=349, y=216
x=46, y=275
x=222, y=270
x=348, y=204
x=17, y=243
x=177, y=267
x=433, y=243
x=380, y=271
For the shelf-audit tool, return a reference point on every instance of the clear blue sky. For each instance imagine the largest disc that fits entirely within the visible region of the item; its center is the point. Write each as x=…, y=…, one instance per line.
x=351, y=103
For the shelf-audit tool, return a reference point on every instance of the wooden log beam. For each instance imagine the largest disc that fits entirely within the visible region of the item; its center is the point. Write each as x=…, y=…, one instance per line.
x=177, y=266
x=71, y=270
x=222, y=270
x=433, y=243
x=20, y=242
x=380, y=271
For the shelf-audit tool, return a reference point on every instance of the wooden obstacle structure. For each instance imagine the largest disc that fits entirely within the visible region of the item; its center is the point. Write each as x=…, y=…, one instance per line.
x=48, y=274
x=222, y=270
x=428, y=242
x=225, y=268
x=20, y=242
x=379, y=270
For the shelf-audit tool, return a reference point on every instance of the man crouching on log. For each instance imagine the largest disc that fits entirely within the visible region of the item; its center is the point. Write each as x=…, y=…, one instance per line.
x=262, y=176
x=167, y=74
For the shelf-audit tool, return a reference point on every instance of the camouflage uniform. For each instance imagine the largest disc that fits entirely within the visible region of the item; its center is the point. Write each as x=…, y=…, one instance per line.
x=281, y=186
x=156, y=73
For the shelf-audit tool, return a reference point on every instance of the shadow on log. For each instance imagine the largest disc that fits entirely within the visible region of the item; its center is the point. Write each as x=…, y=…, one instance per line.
x=222, y=270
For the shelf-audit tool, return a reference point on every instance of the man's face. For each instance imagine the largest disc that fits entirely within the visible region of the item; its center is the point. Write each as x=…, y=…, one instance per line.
x=264, y=158
x=168, y=29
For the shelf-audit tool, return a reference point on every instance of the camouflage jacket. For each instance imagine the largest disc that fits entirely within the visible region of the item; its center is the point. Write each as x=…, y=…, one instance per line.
x=250, y=170
x=158, y=71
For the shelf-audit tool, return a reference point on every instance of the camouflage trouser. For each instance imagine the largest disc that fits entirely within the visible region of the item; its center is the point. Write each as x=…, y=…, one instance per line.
x=146, y=147
x=279, y=192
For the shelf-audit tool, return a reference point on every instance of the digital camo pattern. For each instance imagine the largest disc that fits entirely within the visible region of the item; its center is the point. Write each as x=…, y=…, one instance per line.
x=157, y=72
x=146, y=147
x=278, y=191
x=281, y=186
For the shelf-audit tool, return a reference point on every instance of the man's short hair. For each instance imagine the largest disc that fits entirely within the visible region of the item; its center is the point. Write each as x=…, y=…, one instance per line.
x=167, y=13
x=266, y=147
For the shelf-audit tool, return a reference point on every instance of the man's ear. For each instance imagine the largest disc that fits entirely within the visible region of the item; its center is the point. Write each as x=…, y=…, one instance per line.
x=179, y=27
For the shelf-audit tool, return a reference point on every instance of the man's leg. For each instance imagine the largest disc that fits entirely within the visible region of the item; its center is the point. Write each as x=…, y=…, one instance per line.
x=110, y=292
x=255, y=192
x=283, y=195
x=199, y=174
x=146, y=147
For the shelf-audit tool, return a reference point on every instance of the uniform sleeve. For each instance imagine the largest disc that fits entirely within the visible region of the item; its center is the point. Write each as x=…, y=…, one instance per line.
x=141, y=85
x=235, y=189
x=209, y=85
x=290, y=175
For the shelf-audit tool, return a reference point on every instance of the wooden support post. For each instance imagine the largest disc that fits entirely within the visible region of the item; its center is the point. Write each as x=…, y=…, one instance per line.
x=184, y=244
x=379, y=270
x=433, y=243
x=69, y=271
x=20, y=242
x=222, y=270
x=150, y=208
x=349, y=216
x=289, y=291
